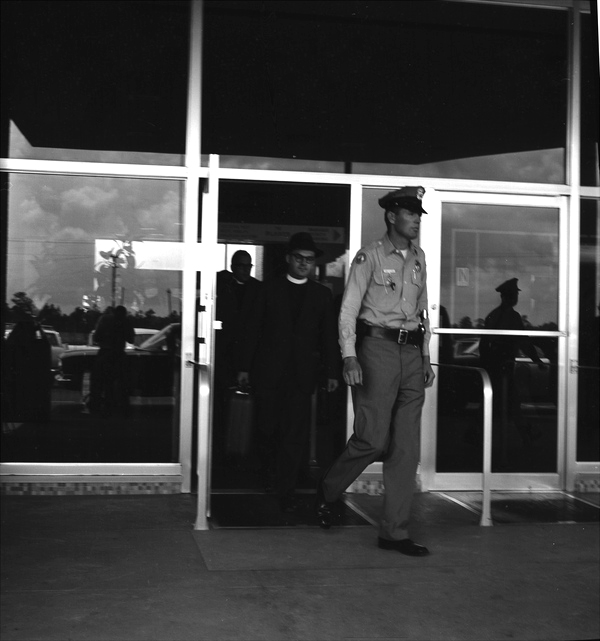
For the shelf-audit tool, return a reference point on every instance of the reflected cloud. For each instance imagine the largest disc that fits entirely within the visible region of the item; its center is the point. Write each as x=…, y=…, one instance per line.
x=34, y=222
x=54, y=224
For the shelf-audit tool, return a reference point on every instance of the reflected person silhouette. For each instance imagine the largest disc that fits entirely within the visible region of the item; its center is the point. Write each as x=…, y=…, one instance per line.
x=498, y=356
x=26, y=372
x=108, y=385
x=237, y=296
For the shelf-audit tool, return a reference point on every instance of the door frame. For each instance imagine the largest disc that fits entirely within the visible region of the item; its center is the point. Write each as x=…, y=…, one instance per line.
x=431, y=232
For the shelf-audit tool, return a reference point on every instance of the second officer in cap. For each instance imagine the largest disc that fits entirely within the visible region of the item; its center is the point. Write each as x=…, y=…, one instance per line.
x=384, y=336
x=498, y=355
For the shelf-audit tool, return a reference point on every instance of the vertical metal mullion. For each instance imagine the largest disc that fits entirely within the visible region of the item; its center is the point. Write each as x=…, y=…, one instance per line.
x=209, y=261
x=567, y=296
x=354, y=244
x=431, y=242
x=571, y=254
x=190, y=239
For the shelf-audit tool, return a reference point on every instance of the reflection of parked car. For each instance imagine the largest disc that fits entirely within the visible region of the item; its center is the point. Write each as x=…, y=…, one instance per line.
x=149, y=366
x=141, y=334
x=56, y=344
x=534, y=382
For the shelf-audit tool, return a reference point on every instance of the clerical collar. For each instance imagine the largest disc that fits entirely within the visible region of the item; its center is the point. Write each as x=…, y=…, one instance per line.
x=297, y=281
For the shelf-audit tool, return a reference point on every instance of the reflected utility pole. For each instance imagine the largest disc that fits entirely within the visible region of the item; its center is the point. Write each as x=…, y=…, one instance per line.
x=114, y=266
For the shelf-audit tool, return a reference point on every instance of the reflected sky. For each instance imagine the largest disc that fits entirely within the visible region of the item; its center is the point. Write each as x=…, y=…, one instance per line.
x=55, y=221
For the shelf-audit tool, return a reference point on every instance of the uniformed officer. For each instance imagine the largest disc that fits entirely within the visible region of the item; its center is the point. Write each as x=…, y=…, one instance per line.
x=384, y=337
x=498, y=354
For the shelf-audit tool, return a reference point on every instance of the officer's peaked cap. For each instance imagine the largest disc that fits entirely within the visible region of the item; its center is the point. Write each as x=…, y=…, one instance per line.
x=509, y=286
x=410, y=198
x=304, y=241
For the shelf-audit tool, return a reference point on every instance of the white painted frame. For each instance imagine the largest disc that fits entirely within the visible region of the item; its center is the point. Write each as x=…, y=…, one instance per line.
x=431, y=231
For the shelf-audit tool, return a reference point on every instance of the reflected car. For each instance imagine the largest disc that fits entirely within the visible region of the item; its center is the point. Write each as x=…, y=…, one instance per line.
x=535, y=383
x=149, y=367
x=56, y=345
x=141, y=334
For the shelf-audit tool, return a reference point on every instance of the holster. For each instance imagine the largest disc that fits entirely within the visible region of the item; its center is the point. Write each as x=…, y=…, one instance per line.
x=422, y=330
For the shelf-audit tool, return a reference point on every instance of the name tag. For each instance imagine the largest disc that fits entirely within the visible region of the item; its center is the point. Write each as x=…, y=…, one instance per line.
x=389, y=271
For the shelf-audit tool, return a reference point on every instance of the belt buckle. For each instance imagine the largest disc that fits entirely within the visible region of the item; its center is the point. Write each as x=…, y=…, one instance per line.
x=403, y=337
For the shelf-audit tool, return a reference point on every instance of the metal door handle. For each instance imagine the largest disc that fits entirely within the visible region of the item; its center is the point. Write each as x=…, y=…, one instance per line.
x=190, y=363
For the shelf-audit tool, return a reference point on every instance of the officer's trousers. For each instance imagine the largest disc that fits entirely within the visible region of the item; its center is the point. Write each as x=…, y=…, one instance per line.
x=387, y=408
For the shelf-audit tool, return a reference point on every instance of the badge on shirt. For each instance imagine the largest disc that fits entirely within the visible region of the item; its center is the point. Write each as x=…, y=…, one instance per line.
x=417, y=266
x=360, y=257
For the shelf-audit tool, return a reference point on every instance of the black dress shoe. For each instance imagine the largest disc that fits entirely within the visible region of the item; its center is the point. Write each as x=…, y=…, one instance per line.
x=405, y=546
x=323, y=509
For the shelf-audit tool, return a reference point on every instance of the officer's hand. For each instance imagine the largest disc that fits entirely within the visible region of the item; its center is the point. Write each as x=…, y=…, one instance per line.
x=352, y=371
x=332, y=384
x=243, y=379
x=428, y=372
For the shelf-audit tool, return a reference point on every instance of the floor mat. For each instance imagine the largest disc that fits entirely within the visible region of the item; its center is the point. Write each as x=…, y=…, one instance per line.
x=534, y=507
x=256, y=510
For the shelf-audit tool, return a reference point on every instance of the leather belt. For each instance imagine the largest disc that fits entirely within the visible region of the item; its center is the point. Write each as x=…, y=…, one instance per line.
x=400, y=336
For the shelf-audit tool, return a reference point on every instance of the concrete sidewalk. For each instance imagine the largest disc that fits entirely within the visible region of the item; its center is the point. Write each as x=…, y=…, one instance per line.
x=131, y=568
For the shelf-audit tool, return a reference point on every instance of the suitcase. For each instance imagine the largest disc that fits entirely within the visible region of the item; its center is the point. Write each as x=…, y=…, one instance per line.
x=239, y=426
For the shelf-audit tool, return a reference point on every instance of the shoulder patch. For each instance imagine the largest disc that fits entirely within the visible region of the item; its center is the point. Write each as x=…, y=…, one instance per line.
x=361, y=257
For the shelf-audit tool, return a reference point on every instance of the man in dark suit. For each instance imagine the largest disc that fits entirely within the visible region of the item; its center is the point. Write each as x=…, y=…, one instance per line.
x=291, y=341
x=237, y=294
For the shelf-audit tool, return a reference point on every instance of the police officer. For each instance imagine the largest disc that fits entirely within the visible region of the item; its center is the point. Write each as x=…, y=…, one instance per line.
x=498, y=354
x=384, y=337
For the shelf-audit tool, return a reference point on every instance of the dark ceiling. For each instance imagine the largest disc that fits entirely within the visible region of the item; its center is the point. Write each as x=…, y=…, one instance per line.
x=399, y=82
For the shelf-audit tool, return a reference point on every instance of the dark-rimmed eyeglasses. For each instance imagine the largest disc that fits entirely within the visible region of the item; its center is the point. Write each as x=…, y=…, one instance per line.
x=299, y=258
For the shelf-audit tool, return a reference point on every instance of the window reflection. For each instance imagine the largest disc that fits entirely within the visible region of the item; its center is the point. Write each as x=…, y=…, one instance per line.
x=484, y=245
x=79, y=248
x=84, y=242
x=499, y=271
x=524, y=409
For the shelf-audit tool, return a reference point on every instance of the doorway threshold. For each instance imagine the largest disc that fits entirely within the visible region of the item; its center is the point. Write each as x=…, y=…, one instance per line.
x=247, y=509
x=529, y=507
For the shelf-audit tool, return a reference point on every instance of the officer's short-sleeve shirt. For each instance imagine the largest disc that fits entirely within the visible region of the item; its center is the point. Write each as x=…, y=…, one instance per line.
x=386, y=290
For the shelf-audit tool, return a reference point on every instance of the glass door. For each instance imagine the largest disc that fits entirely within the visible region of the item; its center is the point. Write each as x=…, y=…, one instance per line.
x=497, y=276
x=93, y=314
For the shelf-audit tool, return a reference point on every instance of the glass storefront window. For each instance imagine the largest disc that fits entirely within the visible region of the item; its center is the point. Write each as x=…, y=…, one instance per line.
x=588, y=420
x=484, y=246
x=78, y=248
x=443, y=101
x=95, y=81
